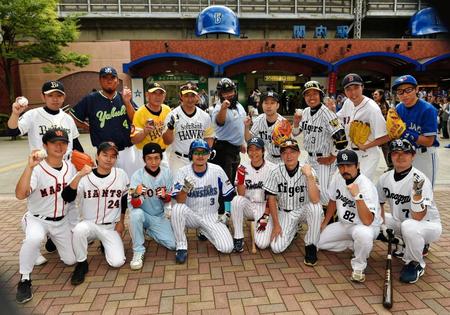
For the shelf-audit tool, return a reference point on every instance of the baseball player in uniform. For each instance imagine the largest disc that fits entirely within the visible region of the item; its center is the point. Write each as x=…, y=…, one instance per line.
x=355, y=198
x=414, y=216
x=293, y=197
x=250, y=201
x=102, y=195
x=147, y=209
x=196, y=189
x=420, y=118
x=185, y=124
x=358, y=107
x=41, y=183
x=263, y=125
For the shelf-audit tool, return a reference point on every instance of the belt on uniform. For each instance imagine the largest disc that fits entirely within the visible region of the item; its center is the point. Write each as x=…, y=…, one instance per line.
x=276, y=156
x=107, y=223
x=182, y=155
x=355, y=149
x=286, y=210
x=315, y=154
x=422, y=150
x=48, y=218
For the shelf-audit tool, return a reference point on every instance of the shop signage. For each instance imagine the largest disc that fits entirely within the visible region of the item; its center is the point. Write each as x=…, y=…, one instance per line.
x=282, y=78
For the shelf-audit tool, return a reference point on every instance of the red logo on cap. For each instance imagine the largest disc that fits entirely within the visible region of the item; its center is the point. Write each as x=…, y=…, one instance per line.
x=59, y=133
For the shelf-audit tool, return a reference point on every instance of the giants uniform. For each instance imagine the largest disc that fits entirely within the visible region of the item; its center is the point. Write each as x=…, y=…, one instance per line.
x=317, y=131
x=253, y=204
x=415, y=233
x=368, y=112
x=100, y=203
x=47, y=215
x=262, y=129
x=200, y=209
x=294, y=207
x=349, y=231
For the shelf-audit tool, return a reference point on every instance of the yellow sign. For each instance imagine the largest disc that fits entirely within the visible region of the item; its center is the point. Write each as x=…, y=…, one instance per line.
x=280, y=78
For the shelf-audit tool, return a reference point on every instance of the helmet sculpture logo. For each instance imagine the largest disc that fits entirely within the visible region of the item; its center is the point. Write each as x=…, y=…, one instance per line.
x=217, y=17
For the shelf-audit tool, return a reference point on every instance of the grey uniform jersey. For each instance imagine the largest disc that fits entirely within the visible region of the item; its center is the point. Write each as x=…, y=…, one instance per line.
x=261, y=129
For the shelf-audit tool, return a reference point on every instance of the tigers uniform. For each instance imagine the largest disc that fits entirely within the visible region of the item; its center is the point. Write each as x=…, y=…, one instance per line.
x=368, y=112
x=100, y=203
x=317, y=130
x=349, y=231
x=187, y=128
x=200, y=208
x=47, y=215
x=253, y=204
x=294, y=207
x=415, y=233
x=262, y=129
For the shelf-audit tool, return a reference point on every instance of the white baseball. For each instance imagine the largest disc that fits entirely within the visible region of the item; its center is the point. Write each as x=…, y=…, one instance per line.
x=41, y=154
x=22, y=101
x=299, y=111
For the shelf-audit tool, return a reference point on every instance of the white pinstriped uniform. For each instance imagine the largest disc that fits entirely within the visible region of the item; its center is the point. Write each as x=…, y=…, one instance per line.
x=294, y=207
x=398, y=194
x=349, y=231
x=261, y=129
x=200, y=209
x=317, y=132
x=45, y=200
x=253, y=204
x=100, y=204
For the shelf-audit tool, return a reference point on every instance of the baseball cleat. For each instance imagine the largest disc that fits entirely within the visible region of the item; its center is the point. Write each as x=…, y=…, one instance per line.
x=81, y=269
x=181, y=256
x=310, y=255
x=24, y=293
x=411, y=272
x=238, y=245
x=358, y=276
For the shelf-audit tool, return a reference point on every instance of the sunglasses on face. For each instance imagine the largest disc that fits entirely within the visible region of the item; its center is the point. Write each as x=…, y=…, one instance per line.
x=407, y=90
x=200, y=152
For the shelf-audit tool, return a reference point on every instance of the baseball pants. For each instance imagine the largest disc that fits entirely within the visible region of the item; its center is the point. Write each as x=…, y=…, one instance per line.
x=216, y=232
x=128, y=160
x=157, y=227
x=311, y=214
x=340, y=236
x=324, y=172
x=176, y=162
x=368, y=162
x=427, y=163
x=86, y=232
x=36, y=230
x=242, y=207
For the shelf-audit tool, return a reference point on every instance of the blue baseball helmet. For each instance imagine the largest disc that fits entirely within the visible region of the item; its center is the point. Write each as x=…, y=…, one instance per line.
x=404, y=79
x=198, y=144
x=217, y=19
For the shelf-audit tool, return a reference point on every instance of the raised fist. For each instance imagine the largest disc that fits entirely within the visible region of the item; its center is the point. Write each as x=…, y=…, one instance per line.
x=241, y=175
x=188, y=184
x=418, y=182
x=171, y=122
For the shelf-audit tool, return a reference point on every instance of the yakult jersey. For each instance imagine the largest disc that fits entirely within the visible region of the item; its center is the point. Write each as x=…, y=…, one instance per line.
x=255, y=179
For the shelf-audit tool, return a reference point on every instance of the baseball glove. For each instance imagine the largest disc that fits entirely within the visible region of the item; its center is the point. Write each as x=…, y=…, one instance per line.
x=281, y=132
x=394, y=124
x=359, y=132
x=80, y=159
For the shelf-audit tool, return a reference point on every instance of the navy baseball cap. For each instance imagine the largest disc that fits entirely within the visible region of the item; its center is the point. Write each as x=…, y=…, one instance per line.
x=55, y=134
x=108, y=70
x=106, y=146
x=154, y=86
x=404, y=79
x=272, y=94
x=347, y=157
x=256, y=141
x=352, y=79
x=401, y=145
x=151, y=148
x=53, y=86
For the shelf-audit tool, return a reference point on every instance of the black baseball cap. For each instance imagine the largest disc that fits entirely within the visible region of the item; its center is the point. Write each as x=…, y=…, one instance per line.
x=55, y=134
x=151, y=148
x=154, y=86
x=347, y=157
x=108, y=70
x=106, y=146
x=401, y=145
x=189, y=87
x=272, y=94
x=53, y=86
x=352, y=79
x=256, y=141
x=289, y=143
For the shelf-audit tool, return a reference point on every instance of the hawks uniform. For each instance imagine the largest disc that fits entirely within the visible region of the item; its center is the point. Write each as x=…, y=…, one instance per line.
x=200, y=209
x=262, y=129
x=253, y=204
x=294, y=207
x=398, y=194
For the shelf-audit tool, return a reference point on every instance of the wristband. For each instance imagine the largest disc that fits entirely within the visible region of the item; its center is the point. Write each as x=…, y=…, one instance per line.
x=227, y=206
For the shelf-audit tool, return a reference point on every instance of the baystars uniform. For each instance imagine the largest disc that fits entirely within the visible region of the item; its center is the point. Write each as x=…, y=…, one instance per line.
x=253, y=204
x=369, y=112
x=349, y=231
x=100, y=204
x=200, y=209
x=294, y=207
x=262, y=129
x=45, y=202
x=317, y=133
x=415, y=233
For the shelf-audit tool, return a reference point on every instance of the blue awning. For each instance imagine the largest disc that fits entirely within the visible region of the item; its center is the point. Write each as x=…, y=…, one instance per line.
x=426, y=22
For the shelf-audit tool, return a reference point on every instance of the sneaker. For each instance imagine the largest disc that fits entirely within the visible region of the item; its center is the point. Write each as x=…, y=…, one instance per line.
x=24, y=293
x=181, y=256
x=40, y=260
x=137, y=261
x=399, y=251
x=411, y=272
x=50, y=246
x=358, y=276
x=81, y=269
x=201, y=236
x=426, y=248
x=238, y=245
x=310, y=255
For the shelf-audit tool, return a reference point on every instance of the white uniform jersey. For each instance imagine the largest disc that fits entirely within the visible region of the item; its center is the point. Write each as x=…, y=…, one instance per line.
x=204, y=197
x=255, y=179
x=37, y=121
x=46, y=185
x=291, y=192
x=261, y=129
x=318, y=129
x=346, y=204
x=100, y=198
x=187, y=129
x=398, y=195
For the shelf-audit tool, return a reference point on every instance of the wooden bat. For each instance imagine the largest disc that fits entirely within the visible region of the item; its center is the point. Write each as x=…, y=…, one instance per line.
x=387, y=289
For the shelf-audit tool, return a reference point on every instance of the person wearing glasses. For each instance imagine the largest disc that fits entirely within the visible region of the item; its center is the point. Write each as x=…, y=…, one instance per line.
x=420, y=118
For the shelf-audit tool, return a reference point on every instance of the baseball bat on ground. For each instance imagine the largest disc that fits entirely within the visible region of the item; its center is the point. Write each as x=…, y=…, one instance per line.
x=387, y=289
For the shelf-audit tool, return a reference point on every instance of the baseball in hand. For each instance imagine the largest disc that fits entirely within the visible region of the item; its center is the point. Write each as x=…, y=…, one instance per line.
x=22, y=101
x=41, y=154
x=299, y=111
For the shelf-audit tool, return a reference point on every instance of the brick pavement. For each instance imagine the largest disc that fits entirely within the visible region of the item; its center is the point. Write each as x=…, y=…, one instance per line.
x=212, y=283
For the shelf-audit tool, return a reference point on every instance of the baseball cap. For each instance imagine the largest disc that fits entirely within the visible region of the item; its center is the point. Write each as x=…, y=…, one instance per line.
x=312, y=85
x=106, y=146
x=108, y=70
x=351, y=79
x=347, y=157
x=404, y=79
x=401, y=145
x=272, y=94
x=55, y=134
x=53, y=86
x=256, y=141
x=154, y=86
x=151, y=148
x=189, y=87
x=290, y=143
